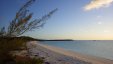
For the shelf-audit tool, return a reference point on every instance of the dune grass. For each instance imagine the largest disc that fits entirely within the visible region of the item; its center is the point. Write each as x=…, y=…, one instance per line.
x=9, y=44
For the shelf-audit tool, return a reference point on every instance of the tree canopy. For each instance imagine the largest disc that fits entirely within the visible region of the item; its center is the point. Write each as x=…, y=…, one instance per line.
x=22, y=22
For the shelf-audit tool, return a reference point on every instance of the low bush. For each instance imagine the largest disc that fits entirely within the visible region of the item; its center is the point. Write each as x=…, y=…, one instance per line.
x=31, y=61
x=8, y=44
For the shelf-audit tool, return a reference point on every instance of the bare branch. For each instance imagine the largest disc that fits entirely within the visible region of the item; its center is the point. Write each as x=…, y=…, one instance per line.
x=21, y=23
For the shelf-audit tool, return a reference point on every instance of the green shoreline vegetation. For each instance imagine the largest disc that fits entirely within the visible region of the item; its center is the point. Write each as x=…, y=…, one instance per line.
x=11, y=39
x=8, y=44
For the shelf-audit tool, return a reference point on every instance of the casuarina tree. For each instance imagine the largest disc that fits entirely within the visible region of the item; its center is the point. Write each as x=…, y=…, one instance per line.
x=22, y=22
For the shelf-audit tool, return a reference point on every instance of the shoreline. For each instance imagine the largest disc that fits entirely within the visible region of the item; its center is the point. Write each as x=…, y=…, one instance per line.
x=53, y=54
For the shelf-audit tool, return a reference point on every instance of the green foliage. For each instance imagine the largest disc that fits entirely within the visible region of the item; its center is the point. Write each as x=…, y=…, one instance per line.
x=10, y=44
x=32, y=61
x=19, y=25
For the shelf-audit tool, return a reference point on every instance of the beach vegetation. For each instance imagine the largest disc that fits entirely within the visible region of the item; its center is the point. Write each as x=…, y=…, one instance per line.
x=10, y=37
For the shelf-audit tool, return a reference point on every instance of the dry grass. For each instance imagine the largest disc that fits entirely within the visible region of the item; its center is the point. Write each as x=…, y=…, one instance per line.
x=9, y=44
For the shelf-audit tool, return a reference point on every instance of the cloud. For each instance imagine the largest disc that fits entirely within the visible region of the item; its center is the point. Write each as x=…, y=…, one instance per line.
x=99, y=16
x=96, y=4
x=106, y=31
x=99, y=23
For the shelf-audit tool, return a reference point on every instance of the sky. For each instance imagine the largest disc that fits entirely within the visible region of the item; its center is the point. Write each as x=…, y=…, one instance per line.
x=75, y=19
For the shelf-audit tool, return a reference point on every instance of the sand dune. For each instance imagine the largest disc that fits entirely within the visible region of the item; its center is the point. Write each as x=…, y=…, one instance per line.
x=55, y=55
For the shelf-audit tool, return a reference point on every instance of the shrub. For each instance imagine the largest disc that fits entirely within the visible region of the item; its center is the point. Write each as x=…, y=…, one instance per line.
x=21, y=24
x=31, y=61
x=8, y=44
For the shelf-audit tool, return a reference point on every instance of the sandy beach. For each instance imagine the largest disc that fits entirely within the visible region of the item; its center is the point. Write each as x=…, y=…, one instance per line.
x=55, y=55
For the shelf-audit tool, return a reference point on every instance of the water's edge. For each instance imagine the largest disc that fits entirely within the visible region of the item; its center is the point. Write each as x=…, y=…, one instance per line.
x=99, y=48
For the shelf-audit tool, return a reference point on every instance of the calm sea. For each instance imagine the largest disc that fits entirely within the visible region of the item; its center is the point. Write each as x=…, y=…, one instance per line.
x=100, y=48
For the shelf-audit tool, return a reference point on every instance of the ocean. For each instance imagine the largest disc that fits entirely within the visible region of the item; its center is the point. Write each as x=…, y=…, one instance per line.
x=99, y=48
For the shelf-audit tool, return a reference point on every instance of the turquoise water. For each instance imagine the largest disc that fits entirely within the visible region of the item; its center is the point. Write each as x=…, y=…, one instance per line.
x=96, y=48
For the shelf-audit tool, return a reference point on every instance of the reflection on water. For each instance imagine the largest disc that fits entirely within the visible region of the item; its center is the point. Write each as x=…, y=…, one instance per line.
x=95, y=48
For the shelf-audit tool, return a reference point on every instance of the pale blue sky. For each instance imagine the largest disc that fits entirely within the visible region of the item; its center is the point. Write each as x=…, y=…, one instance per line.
x=71, y=21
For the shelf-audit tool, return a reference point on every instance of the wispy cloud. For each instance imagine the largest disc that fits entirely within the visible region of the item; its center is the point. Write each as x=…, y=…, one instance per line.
x=96, y=4
x=99, y=23
x=106, y=31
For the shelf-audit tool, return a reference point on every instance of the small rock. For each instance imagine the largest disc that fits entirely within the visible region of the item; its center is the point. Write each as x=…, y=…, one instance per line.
x=47, y=63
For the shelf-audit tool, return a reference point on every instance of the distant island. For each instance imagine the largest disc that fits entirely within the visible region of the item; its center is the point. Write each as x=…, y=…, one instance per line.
x=55, y=40
x=34, y=39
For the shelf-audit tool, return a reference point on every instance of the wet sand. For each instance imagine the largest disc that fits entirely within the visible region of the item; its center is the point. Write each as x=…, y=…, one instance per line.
x=56, y=55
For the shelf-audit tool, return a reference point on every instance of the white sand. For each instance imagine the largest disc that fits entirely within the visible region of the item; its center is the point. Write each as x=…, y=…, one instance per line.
x=55, y=55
